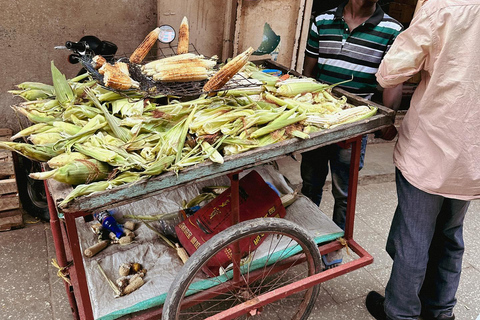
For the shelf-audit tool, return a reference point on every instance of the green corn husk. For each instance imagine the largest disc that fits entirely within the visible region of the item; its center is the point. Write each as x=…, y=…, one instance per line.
x=65, y=158
x=299, y=86
x=287, y=118
x=80, y=112
x=63, y=91
x=113, y=122
x=91, y=127
x=100, y=154
x=77, y=172
x=67, y=127
x=32, y=94
x=183, y=135
x=45, y=138
x=33, y=129
x=159, y=166
x=40, y=153
x=35, y=116
x=211, y=152
x=49, y=89
x=87, y=189
x=293, y=87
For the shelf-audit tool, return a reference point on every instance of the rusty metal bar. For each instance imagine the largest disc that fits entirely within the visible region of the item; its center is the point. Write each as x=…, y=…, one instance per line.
x=60, y=248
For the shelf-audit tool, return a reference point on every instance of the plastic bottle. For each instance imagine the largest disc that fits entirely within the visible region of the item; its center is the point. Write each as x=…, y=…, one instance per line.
x=170, y=220
x=108, y=222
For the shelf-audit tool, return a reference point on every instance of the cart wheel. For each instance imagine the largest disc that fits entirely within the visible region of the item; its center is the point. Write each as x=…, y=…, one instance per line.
x=273, y=265
x=31, y=192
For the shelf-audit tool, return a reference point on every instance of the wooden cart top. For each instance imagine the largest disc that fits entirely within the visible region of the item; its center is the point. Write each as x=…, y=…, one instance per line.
x=140, y=190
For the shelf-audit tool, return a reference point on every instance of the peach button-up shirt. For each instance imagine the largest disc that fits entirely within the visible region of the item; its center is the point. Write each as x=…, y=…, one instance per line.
x=438, y=147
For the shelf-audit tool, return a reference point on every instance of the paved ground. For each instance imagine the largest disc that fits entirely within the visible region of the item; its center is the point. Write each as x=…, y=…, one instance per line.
x=30, y=288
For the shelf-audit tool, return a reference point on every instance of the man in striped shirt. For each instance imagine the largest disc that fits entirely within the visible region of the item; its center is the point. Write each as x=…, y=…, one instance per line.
x=344, y=43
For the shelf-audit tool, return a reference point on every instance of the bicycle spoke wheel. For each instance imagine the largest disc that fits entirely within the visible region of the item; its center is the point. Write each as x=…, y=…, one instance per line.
x=286, y=255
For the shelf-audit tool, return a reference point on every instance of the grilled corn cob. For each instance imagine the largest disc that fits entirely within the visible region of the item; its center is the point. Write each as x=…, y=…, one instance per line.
x=183, y=37
x=98, y=61
x=142, y=50
x=175, y=74
x=227, y=71
x=115, y=78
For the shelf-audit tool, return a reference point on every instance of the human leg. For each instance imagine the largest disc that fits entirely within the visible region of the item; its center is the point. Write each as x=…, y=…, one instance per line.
x=445, y=261
x=340, y=169
x=314, y=171
x=411, y=234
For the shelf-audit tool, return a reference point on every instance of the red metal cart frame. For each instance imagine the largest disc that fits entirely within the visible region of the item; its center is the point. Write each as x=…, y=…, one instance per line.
x=65, y=233
x=69, y=255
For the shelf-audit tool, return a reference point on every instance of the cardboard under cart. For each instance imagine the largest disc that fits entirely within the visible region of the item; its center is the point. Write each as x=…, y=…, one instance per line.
x=71, y=233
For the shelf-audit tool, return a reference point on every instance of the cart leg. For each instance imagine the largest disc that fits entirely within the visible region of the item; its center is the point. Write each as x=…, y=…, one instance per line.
x=352, y=186
x=60, y=248
x=77, y=273
x=235, y=204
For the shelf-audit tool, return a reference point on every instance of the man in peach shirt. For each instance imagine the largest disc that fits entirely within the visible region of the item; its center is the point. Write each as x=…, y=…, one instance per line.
x=437, y=157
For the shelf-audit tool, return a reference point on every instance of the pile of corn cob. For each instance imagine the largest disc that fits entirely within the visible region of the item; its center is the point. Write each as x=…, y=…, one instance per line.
x=96, y=139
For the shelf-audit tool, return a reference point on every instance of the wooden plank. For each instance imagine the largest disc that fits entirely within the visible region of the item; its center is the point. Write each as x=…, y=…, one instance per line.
x=9, y=202
x=11, y=219
x=8, y=186
x=6, y=132
x=7, y=168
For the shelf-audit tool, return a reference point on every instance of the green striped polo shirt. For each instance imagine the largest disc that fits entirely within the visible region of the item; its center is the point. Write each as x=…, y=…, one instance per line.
x=343, y=53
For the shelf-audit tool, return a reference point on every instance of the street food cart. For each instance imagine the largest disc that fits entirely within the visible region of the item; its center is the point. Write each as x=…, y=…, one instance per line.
x=178, y=288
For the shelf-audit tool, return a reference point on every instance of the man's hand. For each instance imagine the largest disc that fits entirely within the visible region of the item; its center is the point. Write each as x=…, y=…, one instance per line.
x=388, y=133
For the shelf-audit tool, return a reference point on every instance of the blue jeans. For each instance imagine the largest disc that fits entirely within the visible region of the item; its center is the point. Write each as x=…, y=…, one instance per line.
x=426, y=245
x=314, y=171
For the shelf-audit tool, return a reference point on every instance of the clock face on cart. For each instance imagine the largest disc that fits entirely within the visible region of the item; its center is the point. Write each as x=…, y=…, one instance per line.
x=167, y=34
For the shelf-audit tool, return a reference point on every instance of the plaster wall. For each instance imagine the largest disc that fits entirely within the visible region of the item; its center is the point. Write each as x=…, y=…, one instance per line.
x=285, y=17
x=207, y=21
x=29, y=31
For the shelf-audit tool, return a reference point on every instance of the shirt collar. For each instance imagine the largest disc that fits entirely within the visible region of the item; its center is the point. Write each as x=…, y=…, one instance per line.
x=375, y=19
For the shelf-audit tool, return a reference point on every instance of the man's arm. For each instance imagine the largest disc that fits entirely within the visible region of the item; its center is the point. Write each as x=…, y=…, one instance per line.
x=309, y=67
x=392, y=97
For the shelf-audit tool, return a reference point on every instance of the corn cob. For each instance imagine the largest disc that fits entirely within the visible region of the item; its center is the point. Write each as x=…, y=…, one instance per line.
x=85, y=189
x=227, y=71
x=32, y=152
x=36, y=128
x=186, y=63
x=175, y=74
x=142, y=50
x=170, y=60
x=115, y=78
x=123, y=67
x=77, y=172
x=65, y=158
x=183, y=37
x=45, y=138
x=98, y=61
x=355, y=114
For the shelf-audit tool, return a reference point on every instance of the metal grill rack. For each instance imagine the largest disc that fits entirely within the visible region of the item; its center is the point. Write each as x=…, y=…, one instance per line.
x=151, y=88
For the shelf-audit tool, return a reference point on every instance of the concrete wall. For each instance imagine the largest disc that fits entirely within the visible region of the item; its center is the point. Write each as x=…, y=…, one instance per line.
x=209, y=22
x=285, y=18
x=29, y=31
